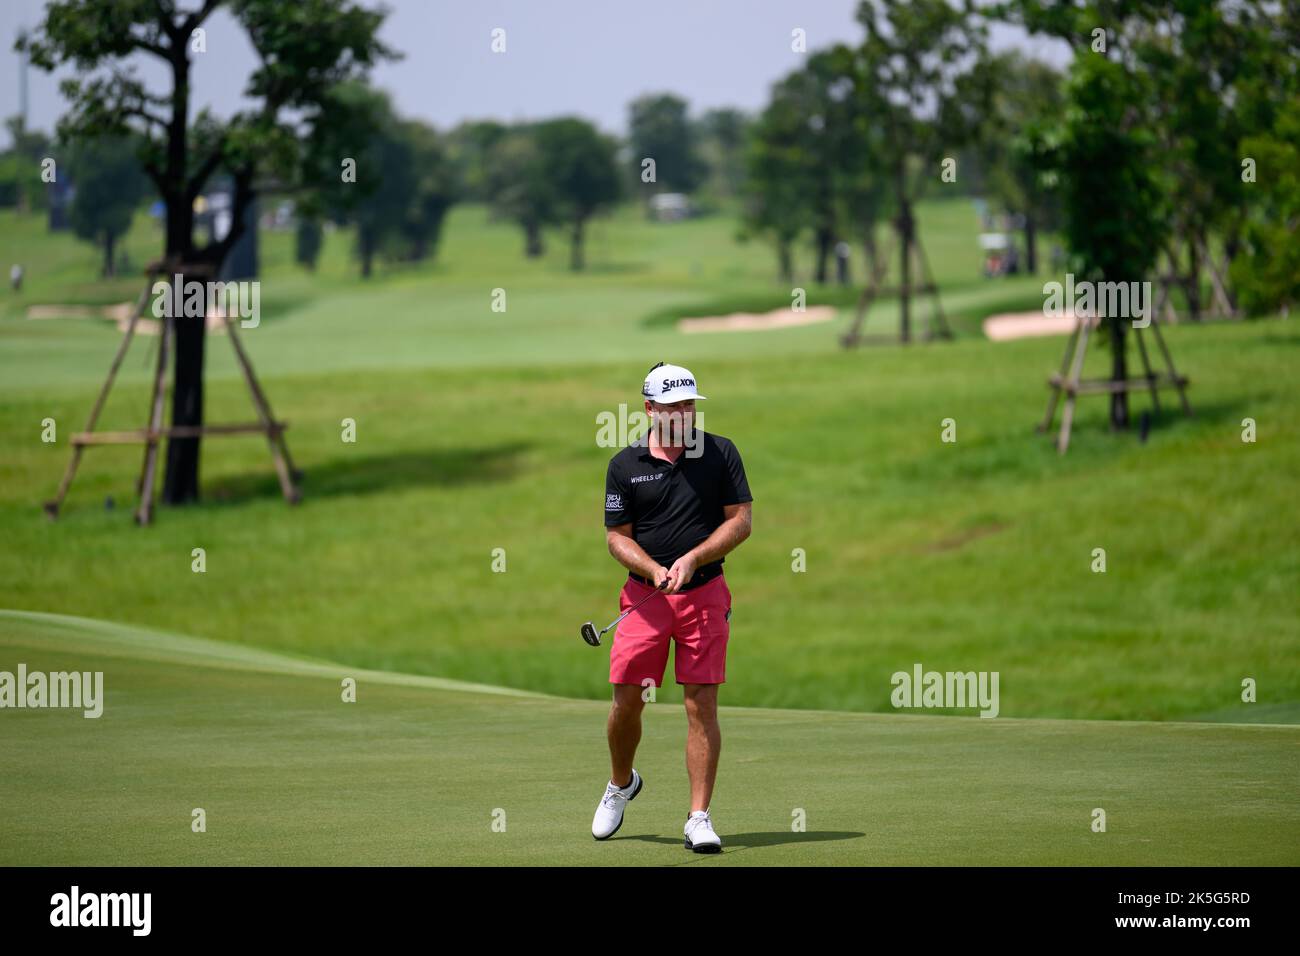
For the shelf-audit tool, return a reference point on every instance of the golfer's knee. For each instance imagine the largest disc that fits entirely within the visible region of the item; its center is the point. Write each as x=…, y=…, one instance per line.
x=702, y=708
x=627, y=697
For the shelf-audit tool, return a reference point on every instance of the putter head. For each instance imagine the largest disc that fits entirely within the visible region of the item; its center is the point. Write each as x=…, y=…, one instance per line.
x=589, y=634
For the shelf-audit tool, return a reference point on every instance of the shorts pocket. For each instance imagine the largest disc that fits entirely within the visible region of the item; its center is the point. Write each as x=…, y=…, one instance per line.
x=716, y=620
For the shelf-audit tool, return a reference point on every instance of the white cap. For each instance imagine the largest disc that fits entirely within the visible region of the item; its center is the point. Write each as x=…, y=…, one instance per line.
x=667, y=384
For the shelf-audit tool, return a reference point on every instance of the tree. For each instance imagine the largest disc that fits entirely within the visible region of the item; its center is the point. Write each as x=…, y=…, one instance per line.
x=372, y=190
x=308, y=239
x=779, y=175
x=923, y=76
x=1268, y=273
x=581, y=164
x=1106, y=161
x=658, y=129
x=1218, y=75
x=304, y=51
x=1267, y=103
x=819, y=93
x=722, y=136
x=436, y=189
x=469, y=145
x=812, y=163
x=109, y=186
x=20, y=167
x=1029, y=96
x=389, y=165
x=404, y=180
x=517, y=185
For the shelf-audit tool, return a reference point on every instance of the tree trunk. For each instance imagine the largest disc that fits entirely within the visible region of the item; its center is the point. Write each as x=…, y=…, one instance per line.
x=110, y=241
x=366, y=244
x=1118, y=373
x=1031, y=246
x=575, y=259
x=181, y=480
x=1192, y=283
x=187, y=408
x=824, y=241
x=533, y=247
x=905, y=286
x=871, y=252
x=1231, y=246
x=784, y=262
x=904, y=226
x=181, y=483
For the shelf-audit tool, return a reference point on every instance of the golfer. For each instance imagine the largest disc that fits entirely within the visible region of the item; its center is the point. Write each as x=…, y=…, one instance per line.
x=676, y=502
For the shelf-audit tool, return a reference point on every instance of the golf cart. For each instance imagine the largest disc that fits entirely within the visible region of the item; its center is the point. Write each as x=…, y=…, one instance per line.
x=1000, y=256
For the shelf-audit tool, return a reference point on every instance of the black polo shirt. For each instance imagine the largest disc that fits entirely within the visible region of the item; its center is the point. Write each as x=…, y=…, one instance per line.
x=673, y=506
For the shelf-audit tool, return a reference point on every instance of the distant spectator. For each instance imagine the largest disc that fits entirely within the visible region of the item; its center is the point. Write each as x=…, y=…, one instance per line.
x=1059, y=258
x=1012, y=265
x=842, y=251
x=16, y=277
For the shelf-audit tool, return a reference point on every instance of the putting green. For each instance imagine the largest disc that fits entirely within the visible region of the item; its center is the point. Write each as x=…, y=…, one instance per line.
x=419, y=769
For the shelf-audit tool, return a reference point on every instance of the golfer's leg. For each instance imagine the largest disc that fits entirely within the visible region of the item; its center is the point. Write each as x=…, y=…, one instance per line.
x=624, y=731
x=638, y=656
x=703, y=741
x=701, y=631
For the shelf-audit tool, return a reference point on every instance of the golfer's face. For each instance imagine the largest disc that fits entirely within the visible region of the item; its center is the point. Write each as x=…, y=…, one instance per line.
x=673, y=421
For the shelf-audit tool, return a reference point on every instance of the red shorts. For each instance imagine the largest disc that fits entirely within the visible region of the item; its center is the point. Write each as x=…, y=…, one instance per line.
x=696, y=620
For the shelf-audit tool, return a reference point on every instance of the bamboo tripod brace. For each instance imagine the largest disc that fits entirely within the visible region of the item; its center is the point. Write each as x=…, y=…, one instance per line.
x=152, y=435
x=935, y=327
x=1068, y=382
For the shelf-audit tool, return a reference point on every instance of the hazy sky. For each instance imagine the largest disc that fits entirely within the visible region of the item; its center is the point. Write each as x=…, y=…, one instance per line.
x=583, y=57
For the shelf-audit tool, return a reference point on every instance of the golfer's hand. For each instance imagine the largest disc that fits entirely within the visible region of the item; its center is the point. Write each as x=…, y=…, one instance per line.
x=680, y=573
x=661, y=575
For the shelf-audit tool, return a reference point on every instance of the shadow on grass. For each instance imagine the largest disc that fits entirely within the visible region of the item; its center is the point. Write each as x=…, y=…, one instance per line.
x=360, y=475
x=617, y=268
x=1280, y=340
x=739, y=841
x=1027, y=454
x=1170, y=418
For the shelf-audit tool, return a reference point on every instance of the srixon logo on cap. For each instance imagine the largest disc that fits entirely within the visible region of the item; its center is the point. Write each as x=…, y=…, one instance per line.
x=677, y=383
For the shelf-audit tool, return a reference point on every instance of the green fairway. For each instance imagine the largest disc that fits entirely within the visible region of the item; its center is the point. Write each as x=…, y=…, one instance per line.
x=319, y=383
x=417, y=770
x=442, y=316
x=973, y=555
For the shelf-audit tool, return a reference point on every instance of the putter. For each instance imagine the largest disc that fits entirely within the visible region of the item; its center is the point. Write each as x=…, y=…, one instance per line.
x=589, y=632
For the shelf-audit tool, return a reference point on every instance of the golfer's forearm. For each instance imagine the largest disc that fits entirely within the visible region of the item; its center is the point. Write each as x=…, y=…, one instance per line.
x=632, y=556
x=724, y=539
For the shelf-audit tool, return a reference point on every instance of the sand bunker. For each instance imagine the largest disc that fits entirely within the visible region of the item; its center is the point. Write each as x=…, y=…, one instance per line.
x=756, y=321
x=1020, y=325
x=120, y=314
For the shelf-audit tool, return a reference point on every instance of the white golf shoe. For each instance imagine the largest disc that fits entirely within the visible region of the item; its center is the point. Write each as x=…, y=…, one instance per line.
x=699, y=833
x=609, y=813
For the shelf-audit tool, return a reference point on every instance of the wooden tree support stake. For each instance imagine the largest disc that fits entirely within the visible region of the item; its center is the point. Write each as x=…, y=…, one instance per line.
x=1068, y=382
x=152, y=435
x=936, y=326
